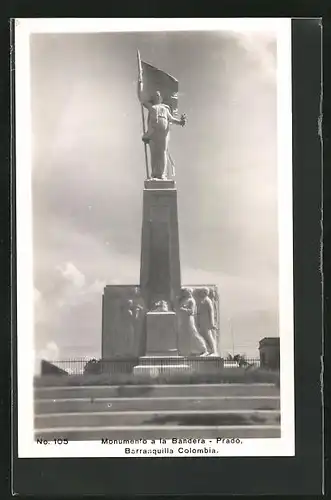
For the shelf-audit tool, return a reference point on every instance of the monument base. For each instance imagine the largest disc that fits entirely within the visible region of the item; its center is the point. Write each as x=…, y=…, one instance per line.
x=161, y=333
x=160, y=184
x=160, y=365
x=157, y=365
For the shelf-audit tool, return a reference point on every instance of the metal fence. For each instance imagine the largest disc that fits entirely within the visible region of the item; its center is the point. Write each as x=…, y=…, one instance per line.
x=246, y=362
x=80, y=366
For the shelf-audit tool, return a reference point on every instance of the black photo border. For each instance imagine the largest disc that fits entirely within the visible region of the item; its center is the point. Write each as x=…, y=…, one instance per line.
x=301, y=474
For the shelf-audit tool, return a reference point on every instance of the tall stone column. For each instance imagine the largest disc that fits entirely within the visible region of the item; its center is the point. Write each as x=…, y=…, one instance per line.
x=160, y=278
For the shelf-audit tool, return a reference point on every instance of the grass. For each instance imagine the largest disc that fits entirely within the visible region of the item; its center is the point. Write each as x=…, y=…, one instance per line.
x=225, y=376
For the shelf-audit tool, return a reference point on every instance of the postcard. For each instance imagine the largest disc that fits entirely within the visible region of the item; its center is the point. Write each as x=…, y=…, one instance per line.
x=154, y=238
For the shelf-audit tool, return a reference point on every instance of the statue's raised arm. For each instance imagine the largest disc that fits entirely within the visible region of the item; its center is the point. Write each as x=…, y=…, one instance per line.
x=178, y=121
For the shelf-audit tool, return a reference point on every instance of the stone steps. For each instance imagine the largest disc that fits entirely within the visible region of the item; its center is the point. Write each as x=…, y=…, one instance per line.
x=156, y=432
x=158, y=403
x=164, y=417
x=145, y=411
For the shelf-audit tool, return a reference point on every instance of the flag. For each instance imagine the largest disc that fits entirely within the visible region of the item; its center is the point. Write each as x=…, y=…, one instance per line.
x=154, y=79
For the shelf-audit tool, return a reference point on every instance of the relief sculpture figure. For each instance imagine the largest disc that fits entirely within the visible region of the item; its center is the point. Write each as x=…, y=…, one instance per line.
x=190, y=341
x=127, y=329
x=131, y=314
x=206, y=321
x=138, y=313
x=215, y=301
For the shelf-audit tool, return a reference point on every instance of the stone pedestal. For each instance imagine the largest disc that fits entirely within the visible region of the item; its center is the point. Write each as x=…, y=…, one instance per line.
x=143, y=321
x=161, y=334
x=159, y=184
x=160, y=265
x=153, y=366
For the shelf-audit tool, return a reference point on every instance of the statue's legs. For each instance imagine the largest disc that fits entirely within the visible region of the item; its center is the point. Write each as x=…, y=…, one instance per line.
x=208, y=336
x=198, y=339
x=158, y=148
x=190, y=342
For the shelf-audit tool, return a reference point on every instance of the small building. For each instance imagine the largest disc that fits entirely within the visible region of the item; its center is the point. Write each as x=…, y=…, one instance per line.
x=269, y=353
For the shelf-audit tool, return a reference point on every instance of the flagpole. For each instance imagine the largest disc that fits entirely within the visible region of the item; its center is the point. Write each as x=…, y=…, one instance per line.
x=172, y=164
x=142, y=112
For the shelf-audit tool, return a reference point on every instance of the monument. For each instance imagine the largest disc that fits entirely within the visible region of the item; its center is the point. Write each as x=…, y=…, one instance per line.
x=158, y=321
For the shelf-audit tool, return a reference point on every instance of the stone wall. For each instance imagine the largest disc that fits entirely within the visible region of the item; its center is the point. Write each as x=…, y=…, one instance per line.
x=124, y=321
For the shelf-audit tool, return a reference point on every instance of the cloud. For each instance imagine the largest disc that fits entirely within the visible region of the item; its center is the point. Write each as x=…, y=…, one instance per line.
x=50, y=352
x=97, y=287
x=72, y=274
x=261, y=48
x=70, y=310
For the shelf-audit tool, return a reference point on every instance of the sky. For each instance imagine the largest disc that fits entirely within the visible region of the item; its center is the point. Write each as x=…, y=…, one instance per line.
x=88, y=170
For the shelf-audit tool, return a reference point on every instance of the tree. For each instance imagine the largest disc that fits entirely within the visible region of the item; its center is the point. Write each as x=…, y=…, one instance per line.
x=240, y=359
x=92, y=367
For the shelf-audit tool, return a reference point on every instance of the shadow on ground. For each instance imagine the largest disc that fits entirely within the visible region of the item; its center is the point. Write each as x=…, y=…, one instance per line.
x=227, y=419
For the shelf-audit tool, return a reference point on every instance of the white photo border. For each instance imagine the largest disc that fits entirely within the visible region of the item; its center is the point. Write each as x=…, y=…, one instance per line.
x=27, y=447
